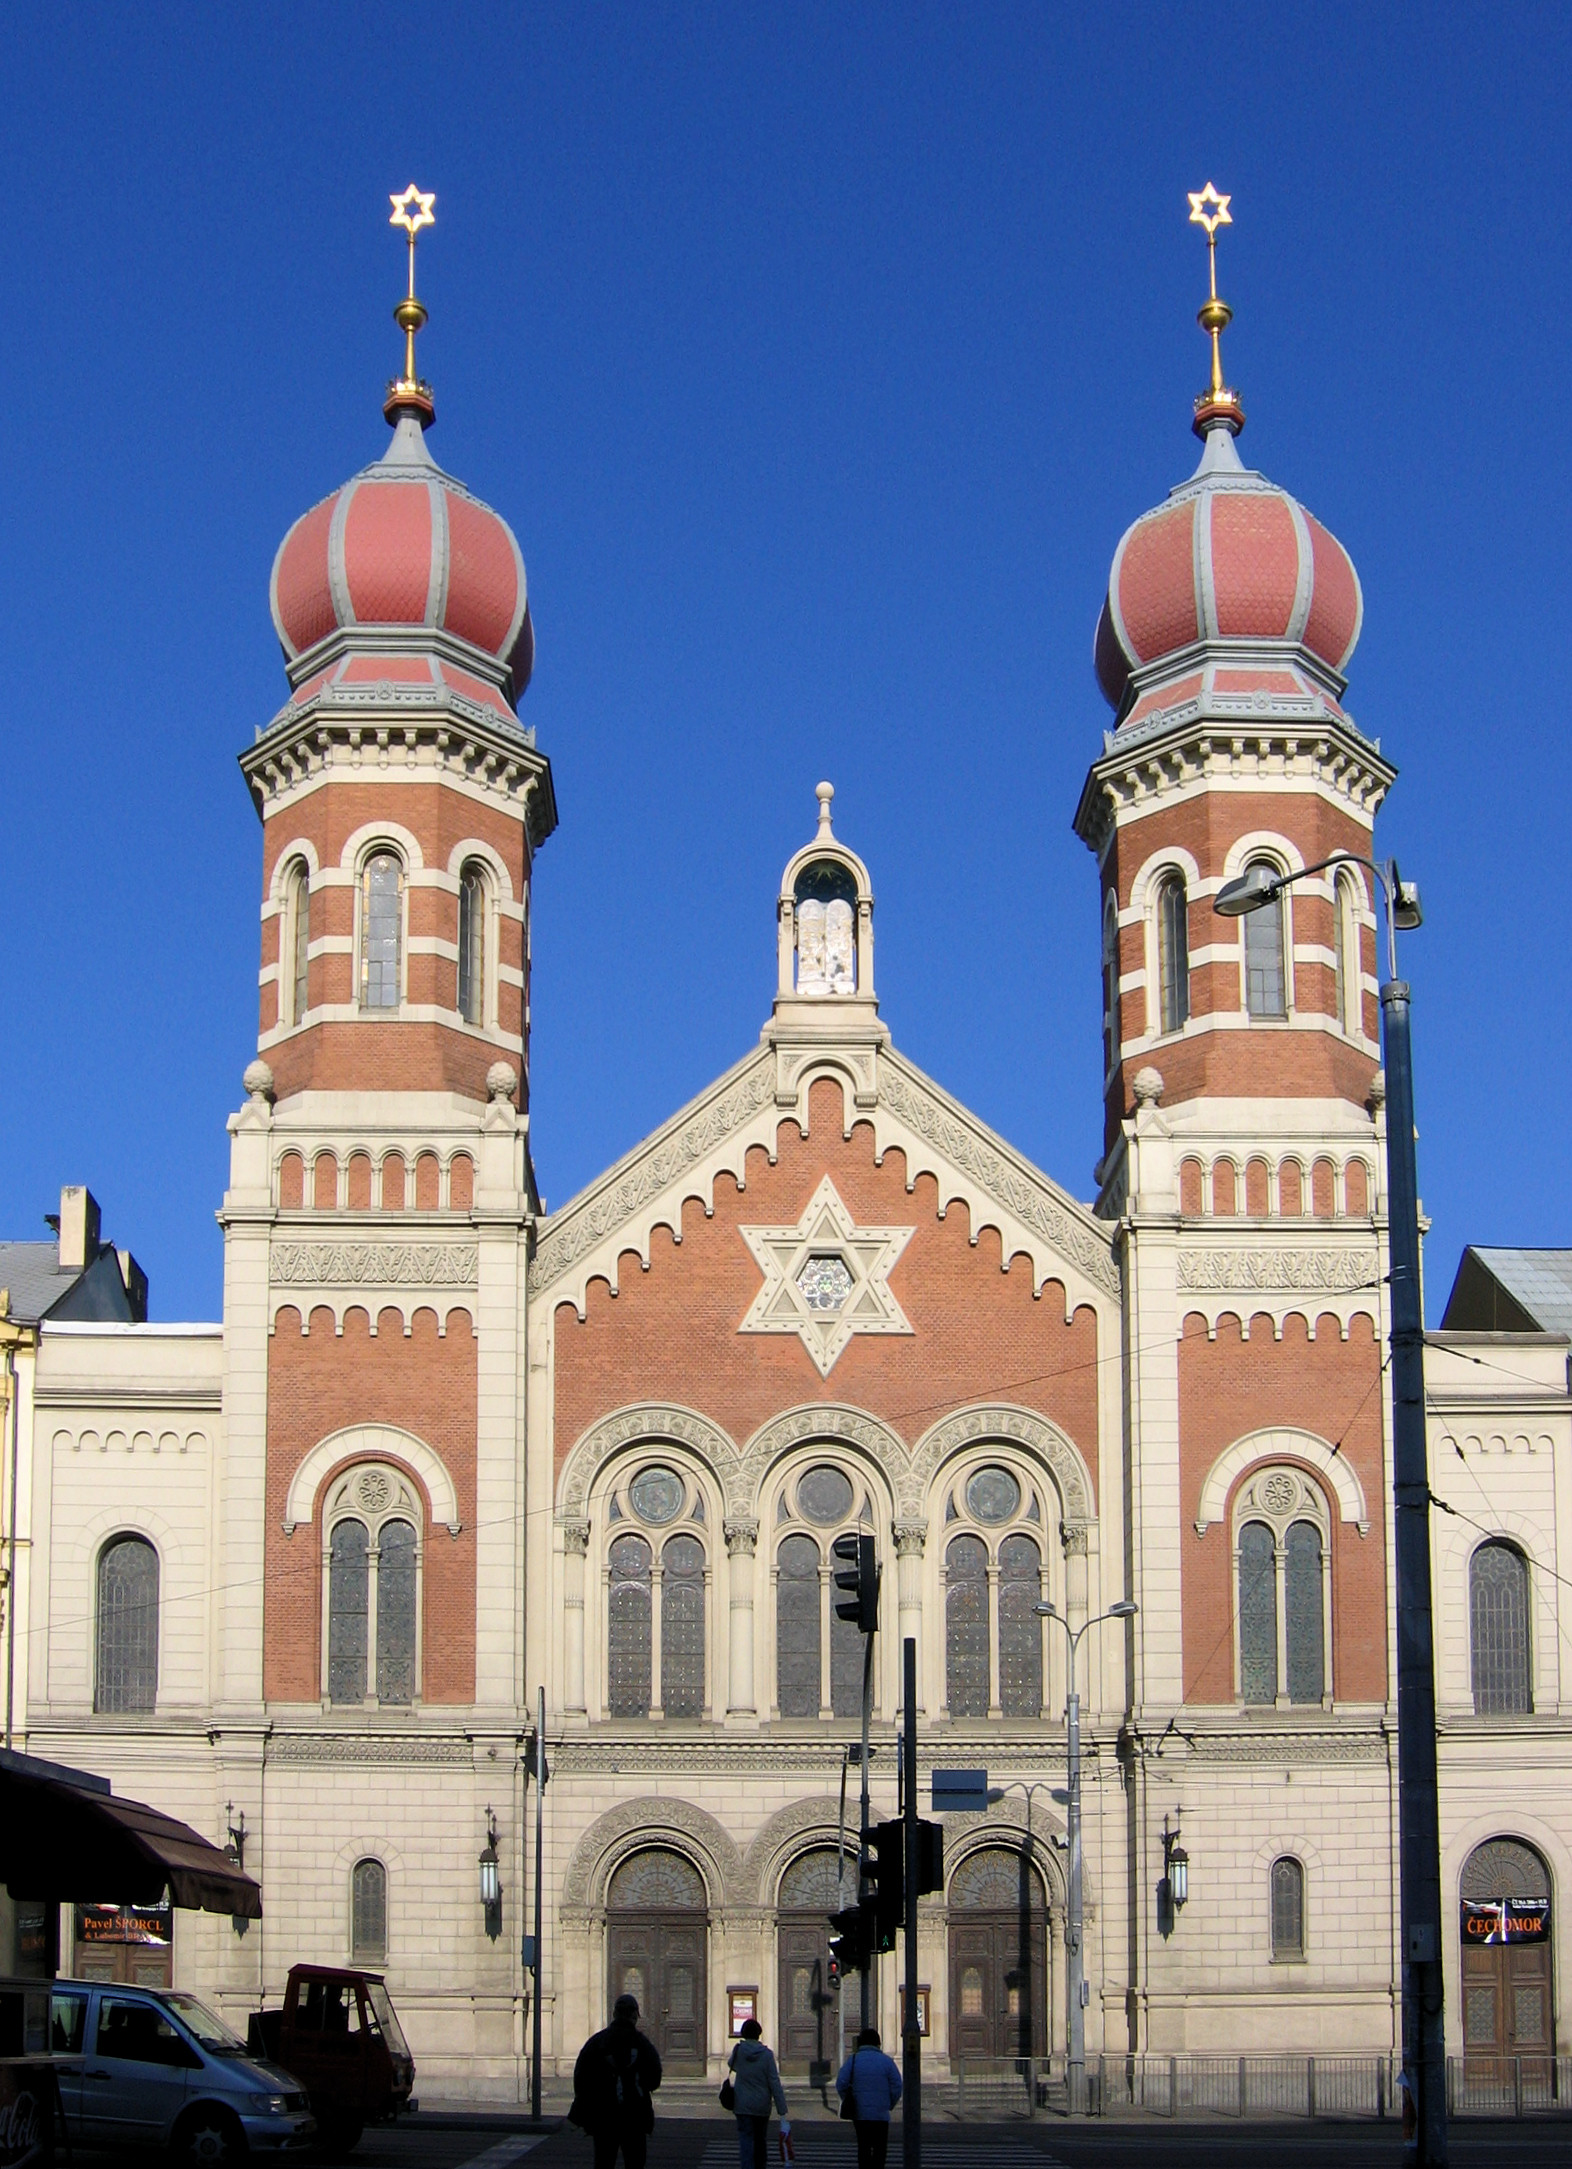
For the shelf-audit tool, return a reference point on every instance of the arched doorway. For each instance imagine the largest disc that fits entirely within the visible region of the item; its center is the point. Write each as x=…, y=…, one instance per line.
x=807, y=2032
x=998, y=1955
x=1506, y=1927
x=656, y=1923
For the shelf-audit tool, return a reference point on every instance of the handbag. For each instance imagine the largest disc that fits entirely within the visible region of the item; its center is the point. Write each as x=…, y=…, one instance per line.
x=849, y=2098
x=728, y=2096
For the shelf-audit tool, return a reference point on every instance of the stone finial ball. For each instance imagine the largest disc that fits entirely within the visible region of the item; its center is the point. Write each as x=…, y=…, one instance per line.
x=502, y=1080
x=258, y=1079
x=1148, y=1086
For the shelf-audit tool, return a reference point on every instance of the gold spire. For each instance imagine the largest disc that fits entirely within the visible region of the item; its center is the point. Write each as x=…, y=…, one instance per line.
x=1219, y=403
x=411, y=394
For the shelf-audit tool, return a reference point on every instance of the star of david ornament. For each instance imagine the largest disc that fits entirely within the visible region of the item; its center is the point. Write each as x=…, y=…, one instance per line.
x=826, y=1279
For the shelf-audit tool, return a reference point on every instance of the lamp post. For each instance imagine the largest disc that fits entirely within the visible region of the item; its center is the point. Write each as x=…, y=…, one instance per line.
x=1075, y=1965
x=1418, y=1813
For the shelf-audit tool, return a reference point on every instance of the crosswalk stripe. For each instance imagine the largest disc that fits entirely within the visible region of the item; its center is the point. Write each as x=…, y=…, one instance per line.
x=504, y=2152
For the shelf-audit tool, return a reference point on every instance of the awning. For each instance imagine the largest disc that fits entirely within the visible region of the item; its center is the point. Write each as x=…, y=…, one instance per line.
x=64, y=1836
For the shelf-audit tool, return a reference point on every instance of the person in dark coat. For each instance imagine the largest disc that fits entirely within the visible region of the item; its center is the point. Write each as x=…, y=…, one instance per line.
x=758, y=2088
x=617, y=2073
x=872, y=2082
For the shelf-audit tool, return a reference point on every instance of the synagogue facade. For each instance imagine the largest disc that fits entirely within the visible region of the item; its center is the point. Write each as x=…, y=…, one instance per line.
x=297, y=1576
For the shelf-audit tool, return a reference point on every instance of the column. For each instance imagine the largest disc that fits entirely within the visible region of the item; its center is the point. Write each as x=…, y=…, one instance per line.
x=657, y=1577
x=741, y=1538
x=575, y=1545
x=911, y=1538
x=995, y=1706
x=826, y=1591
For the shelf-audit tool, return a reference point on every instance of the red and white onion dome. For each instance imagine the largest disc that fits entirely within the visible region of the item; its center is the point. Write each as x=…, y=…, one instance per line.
x=1231, y=564
x=400, y=547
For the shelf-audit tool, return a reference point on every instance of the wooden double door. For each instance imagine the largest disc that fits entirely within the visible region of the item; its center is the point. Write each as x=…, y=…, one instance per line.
x=808, y=2038
x=659, y=1957
x=998, y=1957
x=1506, y=2011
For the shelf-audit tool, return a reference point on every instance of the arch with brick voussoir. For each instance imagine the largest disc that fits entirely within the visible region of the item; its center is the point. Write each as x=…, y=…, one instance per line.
x=380, y=835
x=372, y=1442
x=1299, y=1448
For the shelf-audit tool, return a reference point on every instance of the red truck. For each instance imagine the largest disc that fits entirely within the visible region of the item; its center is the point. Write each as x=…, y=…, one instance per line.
x=338, y=2034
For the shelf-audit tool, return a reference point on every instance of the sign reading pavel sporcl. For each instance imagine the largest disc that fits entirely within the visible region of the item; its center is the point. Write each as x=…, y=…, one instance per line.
x=1510, y=1920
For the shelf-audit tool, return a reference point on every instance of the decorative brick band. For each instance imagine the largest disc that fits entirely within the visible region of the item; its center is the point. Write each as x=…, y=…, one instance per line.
x=374, y=1265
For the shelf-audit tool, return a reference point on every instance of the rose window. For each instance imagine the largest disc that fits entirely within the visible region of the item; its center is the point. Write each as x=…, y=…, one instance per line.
x=825, y=1282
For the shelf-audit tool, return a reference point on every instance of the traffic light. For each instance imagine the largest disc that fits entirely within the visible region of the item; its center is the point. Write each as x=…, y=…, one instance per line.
x=860, y=1580
x=930, y=1857
x=887, y=1882
x=851, y=1940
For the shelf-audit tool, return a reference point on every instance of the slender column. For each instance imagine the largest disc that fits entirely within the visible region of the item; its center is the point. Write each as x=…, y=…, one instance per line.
x=741, y=1538
x=826, y=1590
x=995, y=1706
x=657, y=1576
x=575, y=1544
x=911, y=1539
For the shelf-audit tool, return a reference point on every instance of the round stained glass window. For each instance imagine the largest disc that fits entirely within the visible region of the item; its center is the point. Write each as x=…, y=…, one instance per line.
x=993, y=1495
x=656, y=1494
x=825, y=1282
x=824, y=1495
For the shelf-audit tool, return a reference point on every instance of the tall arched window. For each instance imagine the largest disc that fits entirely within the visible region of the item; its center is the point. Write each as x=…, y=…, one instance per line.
x=381, y=931
x=1302, y=1607
x=797, y=1568
x=966, y=1627
x=126, y=1672
x=1111, y=980
x=1498, y=1622
x=1283, y=1531
x=349, y=1587
x=682, y=1627
x=1288, y=1909
x=296, y=960
x=472, y=945
x=368, y=1913
x=630, y=1640
x=1345, y=938
x=372, y=1563
x=395, y=1612
x=1173, y=954
x=1020, y=1629
x=1266, y=984
x=1257, y=1614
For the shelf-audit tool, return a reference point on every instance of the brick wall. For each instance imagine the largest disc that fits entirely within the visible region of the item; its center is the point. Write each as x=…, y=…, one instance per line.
x=319, y=1383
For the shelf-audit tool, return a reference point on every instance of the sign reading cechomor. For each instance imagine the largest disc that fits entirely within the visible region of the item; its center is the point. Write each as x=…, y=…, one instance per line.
x=1510, y=1920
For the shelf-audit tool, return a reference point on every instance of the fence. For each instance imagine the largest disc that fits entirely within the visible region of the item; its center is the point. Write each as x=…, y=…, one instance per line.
x=983, y=2091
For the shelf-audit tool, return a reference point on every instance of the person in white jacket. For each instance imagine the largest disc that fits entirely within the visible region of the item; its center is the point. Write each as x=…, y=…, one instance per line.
x=756, y=2082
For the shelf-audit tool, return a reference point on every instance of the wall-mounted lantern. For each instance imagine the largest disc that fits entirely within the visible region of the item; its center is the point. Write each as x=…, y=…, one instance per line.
x=1176, y=1865
x=235, y=1854
x=491, y=1880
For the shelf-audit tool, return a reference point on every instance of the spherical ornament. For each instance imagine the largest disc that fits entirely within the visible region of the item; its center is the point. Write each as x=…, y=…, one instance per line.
x=1148, y=1086
x=258, y=1079
x=502, y=1080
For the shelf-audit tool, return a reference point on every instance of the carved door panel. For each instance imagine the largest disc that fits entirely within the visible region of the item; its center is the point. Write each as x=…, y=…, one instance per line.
x=1506, y=2011
x=808, y=2006
x=661, y=1961
x=998, y=1986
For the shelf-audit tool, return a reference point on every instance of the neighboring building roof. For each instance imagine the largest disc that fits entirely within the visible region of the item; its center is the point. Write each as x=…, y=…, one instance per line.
x=1511, y=1291
x=41, y=1288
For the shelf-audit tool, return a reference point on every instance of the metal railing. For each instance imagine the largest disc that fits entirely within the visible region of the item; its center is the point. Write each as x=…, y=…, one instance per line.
x=985, y=2090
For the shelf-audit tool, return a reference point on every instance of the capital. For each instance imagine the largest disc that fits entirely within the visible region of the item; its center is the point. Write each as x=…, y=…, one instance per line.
x=1073, y=1538
x=910, y=1538
x=741, y=1537
x=575, y=1537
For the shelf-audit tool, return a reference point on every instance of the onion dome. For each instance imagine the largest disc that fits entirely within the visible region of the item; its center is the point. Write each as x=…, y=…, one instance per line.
x=402, y=570
x=1231, y=585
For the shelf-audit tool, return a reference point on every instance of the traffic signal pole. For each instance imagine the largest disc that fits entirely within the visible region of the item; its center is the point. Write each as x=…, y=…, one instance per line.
x=865, y=1977
x=911, y=2032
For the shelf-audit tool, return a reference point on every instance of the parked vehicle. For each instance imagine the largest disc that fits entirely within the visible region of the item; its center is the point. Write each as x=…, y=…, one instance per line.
x=153, y=2067
x=338, y=2032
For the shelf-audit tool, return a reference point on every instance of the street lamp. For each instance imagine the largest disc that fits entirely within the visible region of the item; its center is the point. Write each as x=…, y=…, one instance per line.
x=491, y=1880
x=1418, y=1813
x=1074, y=1958
x=1176, y=1865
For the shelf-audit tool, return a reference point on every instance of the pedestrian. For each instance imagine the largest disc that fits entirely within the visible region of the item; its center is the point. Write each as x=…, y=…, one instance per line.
x=870, y=2082
x=756, y=2086
x=617, y=2072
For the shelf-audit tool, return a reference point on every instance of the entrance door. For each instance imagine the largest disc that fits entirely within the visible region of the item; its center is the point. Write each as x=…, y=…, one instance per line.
x=129, y=1944
x=807, y=2030
x=998, y=1957
x=656, y=1932
x=1507, y=2011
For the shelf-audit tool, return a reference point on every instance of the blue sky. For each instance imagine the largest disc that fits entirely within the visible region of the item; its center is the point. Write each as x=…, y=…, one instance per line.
x=819, y=356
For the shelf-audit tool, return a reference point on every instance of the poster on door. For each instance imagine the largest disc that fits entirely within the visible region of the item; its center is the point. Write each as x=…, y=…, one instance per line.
x=1510, y=1920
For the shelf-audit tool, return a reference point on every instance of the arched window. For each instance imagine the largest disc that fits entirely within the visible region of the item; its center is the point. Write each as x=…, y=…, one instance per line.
x=295, y=959
x=381, y=931
x=1266, y=985
x=349, y=1586
x=1020, y=1630
x=395, y=1612
x=1282, y=1538
x=472, y=945
x=797, y=1568
x=1288, y=1909
x=1173, y=954
x=1498, y=1623
x=966, y=1627
x=826, y=909
x=682, y=1627
x=1345, y=937
x=1111, y=979
x=630, y=1640
x=126, y=1673
x=368, y=1913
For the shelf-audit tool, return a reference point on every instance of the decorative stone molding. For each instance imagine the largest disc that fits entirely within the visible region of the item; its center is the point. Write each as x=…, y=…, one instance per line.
x=741, y=1537
x=634, y=1824
x=258, y=1083
x=789, y=1831
x=1280, y=1747
x=347, y=1747
x=1073, y=1538
x=1322, y=1271
x=911, y=1538
x=575, y=1535
x=372, y=1442
x=374, y=1265
x=1333, y=1469
x=646, y=1420
x=1043, y=1441
x=828, y=1422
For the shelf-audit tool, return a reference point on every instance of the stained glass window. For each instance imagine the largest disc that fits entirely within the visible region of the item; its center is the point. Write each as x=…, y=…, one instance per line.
x=993, y=1495
x=682, y=1627
x=656, y=1495
x=1288, y=1908
x=797, y=1626
x=472, y=946
x=966, y=1627
x=349, y=1588
x=127, y=1667
x=825, y=1282
x=1257, y=1613
x=1266, y=993
x=656, y=1881
x=628, y=1683
x=300, y=931
x=1173, y=954
x=1020, y=1630
x=1498, y=1620
x=368, y=1912
x=381, y=931
x=396, y=1612
x=1302, y=1606
x=824, y=1495
x=809, y=1884
x=846, y=1661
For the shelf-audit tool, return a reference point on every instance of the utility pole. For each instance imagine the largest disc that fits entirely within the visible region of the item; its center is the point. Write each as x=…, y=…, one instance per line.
x=540, y=1807
x=911, y=2032
x=865, y=1978
x=1072, y=1934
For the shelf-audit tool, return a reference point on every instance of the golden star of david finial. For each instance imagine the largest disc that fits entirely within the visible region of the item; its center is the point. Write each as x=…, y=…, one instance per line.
x=414, y=209
x=1209, y=210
